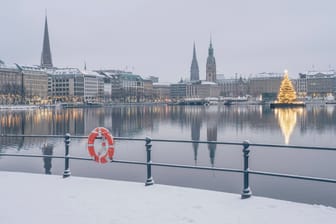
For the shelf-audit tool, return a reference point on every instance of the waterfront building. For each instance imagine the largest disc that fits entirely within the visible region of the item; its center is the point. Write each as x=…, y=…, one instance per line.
x=93, y=86
x=178, y=90
x=74, y=85
x=233, y=87
x=211, y=65
x=107, y=87
x=66, y=84
x=148, y=90
x=161, y=91
x=35, y=83
x=112, y=84
x=132, y=87
x=317, y=84
x=265, y=84
x=125, y=86
x=202, y=89
x=194, y=71
x=11, y=84
x=46, y=60
x=301, y=85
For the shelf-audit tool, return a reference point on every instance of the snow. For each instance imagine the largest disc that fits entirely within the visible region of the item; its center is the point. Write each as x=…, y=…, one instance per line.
x=37, y=198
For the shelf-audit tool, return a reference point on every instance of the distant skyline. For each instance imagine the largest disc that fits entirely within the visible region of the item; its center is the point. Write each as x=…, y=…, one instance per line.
x=151, y=37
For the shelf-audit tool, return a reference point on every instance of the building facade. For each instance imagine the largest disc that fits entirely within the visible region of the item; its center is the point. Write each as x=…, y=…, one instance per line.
x=11, y=84
x=316, y=84
x=233, y=87
x=265, y=84
x=178, y=91
x=126, y=87
x=161, y=92
x=148, y=90
x=35, y=82
x=202, y=89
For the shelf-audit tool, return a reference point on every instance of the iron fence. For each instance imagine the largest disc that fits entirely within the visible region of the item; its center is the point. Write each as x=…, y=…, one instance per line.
x=245, y=170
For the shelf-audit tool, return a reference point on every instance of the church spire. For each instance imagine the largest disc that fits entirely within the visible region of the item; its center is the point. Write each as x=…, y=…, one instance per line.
x=211, y=50
x=194, y=71
x=46, y=61
x=211, y=64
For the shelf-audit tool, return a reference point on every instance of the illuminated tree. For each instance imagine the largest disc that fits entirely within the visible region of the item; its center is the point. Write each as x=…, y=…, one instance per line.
x=287, y=92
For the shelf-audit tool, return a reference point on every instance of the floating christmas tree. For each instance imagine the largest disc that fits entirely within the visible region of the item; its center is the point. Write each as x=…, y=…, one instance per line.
x=287, y=92
x=286, y=95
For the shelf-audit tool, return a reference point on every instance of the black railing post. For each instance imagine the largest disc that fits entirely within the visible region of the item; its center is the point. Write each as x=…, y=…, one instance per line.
x=150, y=180
x=67, y=172
x=246, y=191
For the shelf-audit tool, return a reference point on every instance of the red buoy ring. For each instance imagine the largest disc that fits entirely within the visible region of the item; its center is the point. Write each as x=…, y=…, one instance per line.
x=105, y=153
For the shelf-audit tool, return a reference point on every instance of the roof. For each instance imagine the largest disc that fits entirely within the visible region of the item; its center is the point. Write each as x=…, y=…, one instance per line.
x=130, y=76
x=3, y=65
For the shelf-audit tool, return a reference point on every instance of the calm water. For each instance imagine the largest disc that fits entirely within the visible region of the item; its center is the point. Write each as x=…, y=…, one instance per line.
x=314, y=125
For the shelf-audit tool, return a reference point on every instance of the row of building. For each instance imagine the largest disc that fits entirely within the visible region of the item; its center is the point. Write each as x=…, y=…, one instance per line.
x=37, y=85
x=46, y=84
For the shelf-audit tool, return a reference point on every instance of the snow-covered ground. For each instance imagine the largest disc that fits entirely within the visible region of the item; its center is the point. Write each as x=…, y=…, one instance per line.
x=37, y=198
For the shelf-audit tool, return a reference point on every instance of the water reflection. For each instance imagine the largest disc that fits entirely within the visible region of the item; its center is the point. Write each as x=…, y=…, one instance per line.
x=240, y=122
x=196, y=124
x=212, y=120
x=287, y=120
x=47, y=150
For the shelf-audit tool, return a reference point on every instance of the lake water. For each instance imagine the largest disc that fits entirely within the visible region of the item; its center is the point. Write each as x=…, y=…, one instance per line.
x=314, y=125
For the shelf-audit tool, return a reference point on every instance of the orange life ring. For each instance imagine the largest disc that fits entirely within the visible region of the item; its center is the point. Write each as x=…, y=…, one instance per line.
x=106, y=145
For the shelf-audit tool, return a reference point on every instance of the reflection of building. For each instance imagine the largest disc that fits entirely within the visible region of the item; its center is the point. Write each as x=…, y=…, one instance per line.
x=196, y=122
x=47, y=150
x=212, y=134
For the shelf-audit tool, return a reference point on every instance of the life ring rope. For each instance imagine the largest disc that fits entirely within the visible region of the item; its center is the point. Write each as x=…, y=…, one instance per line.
x=106, y=145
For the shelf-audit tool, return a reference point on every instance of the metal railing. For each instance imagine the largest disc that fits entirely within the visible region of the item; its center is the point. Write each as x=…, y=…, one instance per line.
x=246, y=171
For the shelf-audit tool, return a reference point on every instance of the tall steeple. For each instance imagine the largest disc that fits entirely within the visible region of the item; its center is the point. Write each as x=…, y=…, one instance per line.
x=194, y=71
x=46, y=60
x=211, y=65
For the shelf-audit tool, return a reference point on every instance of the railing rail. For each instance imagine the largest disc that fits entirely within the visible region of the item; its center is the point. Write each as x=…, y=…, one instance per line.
x=246, y=171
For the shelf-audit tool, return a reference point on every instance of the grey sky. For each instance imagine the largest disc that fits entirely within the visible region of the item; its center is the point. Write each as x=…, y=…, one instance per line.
x=153, y=37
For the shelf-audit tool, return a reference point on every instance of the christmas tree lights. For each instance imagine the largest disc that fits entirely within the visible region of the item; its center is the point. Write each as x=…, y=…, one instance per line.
x=287, y=92
x=287, y=95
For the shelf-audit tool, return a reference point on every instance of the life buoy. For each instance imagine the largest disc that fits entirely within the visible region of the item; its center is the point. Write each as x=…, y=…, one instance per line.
x=106, y=151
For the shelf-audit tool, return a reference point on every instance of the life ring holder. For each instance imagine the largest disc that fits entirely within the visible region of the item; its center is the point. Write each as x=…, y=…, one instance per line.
x=106, y=152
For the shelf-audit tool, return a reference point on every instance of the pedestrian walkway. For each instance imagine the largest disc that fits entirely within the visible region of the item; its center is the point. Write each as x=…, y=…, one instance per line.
x=40, y=199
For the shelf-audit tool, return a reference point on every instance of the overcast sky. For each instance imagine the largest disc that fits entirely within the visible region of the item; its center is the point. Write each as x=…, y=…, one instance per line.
x=153, y=37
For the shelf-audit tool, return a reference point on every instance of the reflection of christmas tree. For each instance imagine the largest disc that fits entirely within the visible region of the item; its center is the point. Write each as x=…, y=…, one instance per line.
x=287, y=92
x=287, y=122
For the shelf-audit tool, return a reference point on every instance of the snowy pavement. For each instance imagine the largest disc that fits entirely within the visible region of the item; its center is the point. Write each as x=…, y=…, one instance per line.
x=37, y=198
